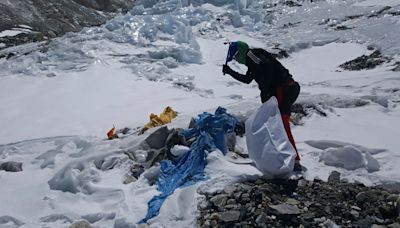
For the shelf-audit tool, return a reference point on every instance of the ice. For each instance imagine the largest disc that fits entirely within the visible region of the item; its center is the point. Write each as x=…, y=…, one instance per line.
x=149, y=22
x=48, y=158
x=326, y=144
x=378, y=2
x=382, y=100
x=350, y=158
x=372, y=164
x=179, y=150
x=347, y=157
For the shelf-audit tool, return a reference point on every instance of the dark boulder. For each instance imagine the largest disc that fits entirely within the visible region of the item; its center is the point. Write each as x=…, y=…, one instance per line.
x=11, y=166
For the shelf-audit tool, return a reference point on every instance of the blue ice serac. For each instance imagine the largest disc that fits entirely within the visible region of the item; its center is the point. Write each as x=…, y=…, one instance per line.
x=209, y=131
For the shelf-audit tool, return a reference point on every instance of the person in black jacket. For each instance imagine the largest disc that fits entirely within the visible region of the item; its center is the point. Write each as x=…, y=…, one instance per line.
x=272, y=77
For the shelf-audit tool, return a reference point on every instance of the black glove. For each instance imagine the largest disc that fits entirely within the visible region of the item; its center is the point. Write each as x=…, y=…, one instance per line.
x=226, y=69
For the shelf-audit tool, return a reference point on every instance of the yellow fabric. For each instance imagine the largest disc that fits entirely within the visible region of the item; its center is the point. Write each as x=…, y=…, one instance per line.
x=165, y=117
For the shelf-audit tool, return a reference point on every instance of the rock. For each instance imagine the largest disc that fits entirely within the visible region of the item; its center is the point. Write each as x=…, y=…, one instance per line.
x=109, y=163
x=364, y=62
x=213, y=223
x=261, y=219
x=129, y=179
x=356, y=208
x=219, y=200
x=387, y=211
x=334, y=177
x=319, y=204
x=394, y=225
x=396, y=67
x=355, y=214
x=229, y=190
x=156, y=140
x=302, y=183
x=80, y=224
x=245, y=197
x=174, y=138
x=136, y=170
x=398, y=206
x=51, y=34
x=365, y=222
x=392, y=197
x=230, y=216
x=292, y=201
x=377, y=226
x=51, y=18
x=362, y=196
x=206, y=224
x=284, y=209
x=11, y=166
x=214, y=215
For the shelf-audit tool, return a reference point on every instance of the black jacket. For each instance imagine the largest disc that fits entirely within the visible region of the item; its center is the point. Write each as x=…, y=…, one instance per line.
x=266, y=70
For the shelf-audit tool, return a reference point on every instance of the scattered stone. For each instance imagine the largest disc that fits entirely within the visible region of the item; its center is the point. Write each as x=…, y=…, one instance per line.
x=51, y=18
x=392, y=198
x=261, y=219
x=355, y=213
x=229, y=190
x=377, y=226
x=387, y=211
x=213, y=223
x=129, y=179
x=394, y=225
x=365, y=62
x=11, y=166
x=284, y=209
x=362, y=196
x=396, y=67
x=214, y=215
x=287, y=203
x=343, y=27
x=230, y=216
x=292, y=201
x=219, y=201
x=334, y=177
x=80, y=224
x=231, y=201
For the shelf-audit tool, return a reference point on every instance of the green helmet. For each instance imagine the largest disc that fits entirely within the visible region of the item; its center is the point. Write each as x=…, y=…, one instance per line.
x=242, y=52
x=237, y=50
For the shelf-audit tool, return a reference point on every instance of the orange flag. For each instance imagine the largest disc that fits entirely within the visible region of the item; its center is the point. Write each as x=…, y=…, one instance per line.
x=110, y=133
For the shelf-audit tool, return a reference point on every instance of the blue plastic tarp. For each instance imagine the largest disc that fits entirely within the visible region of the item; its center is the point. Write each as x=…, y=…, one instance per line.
x=209, y=131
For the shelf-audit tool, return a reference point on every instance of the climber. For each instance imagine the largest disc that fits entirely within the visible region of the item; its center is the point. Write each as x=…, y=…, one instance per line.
x=272, y=77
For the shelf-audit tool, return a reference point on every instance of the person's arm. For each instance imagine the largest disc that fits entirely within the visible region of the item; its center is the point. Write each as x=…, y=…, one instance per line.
x=240, y=77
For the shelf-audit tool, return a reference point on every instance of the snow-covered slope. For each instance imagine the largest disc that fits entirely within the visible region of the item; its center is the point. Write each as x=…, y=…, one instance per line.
x=58, y=103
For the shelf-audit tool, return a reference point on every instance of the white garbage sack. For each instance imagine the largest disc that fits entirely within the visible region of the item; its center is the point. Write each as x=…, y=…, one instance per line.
x=267, y=142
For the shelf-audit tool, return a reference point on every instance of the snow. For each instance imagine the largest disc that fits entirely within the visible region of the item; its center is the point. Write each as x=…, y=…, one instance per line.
x=377, y=2
x=57, y=105
x=9, y=33
x=16, y=31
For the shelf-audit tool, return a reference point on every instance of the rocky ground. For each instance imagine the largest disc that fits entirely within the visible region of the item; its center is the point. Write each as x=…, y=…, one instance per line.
x=300, y=203
x=51, y=18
